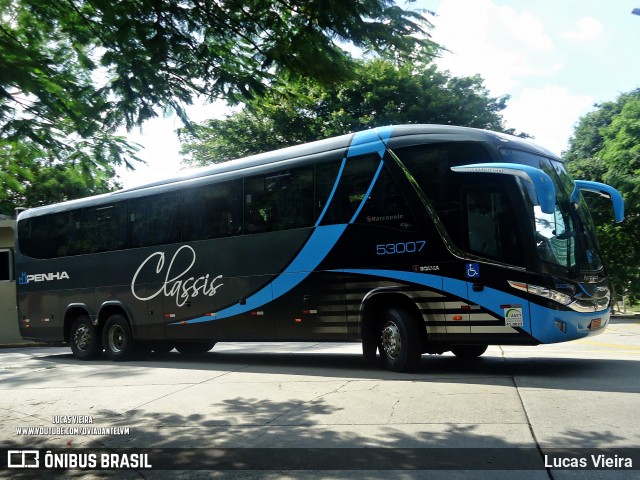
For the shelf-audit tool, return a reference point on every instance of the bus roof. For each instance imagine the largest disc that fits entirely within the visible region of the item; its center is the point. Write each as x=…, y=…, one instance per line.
x=422, y=133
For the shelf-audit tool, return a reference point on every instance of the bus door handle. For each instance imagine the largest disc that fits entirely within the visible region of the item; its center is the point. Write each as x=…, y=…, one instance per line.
x=477, y=287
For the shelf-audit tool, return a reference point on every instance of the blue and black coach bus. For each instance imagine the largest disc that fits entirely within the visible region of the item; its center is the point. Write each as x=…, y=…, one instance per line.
x=410, y=239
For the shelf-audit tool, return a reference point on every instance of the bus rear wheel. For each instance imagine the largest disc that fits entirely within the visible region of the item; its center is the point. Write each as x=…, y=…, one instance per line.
x=399, y=340
x=85, y=339
x=468, y=352
x=194, y=348
x=117, y=338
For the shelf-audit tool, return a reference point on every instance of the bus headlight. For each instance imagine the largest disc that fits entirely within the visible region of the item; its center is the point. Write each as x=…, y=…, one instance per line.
x=578, y=305
x=558, y=297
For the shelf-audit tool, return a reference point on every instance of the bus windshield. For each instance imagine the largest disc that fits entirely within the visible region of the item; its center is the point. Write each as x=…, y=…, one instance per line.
x=565, y=237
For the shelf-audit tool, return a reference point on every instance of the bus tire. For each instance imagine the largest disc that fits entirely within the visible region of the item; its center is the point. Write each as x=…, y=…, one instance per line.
x=84, y=338
x=194, y=348
x=468, y=352
x=117, y=338
x=400, y=344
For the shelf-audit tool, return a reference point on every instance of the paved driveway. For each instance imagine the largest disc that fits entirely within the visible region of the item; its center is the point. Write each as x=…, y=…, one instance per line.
x=296, y=398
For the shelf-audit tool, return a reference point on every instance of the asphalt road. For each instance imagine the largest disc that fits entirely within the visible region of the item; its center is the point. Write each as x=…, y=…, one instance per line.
x=273, y=406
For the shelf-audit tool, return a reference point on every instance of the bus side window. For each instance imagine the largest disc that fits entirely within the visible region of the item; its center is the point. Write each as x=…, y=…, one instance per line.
x=154, y=220
x=227, y=210
x=212, y=211
x=64, y=234
x=32, y=237
x=104, y=228
x=279, y=200
x=257, y=206
x=386, y=206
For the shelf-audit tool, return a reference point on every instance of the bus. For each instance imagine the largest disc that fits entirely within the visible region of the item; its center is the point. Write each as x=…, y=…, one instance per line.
x=409, y=239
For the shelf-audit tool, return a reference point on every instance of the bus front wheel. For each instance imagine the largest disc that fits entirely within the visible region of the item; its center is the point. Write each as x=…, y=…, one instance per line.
x=85, y=339
x=117, y=338
x=399, y=340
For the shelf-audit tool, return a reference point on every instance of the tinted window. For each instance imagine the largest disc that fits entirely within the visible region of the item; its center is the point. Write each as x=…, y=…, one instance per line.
x=385, y=206
x=492, y=226
x=104, y=228
x=326, y=176
x=279, y=201
x=32, y=237
x=430, y=165
x=64, y=235
x=212, y=211
x=353, y=185
x=154, y=220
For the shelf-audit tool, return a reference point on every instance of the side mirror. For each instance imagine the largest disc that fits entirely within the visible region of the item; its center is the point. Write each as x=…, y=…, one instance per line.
x=603, y=190
x=541, y=182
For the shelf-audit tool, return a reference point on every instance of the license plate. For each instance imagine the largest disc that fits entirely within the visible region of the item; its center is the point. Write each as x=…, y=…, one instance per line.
x=595, y=324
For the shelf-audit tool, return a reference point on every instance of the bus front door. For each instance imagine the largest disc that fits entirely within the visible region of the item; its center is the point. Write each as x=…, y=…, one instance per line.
x=496, y=314
x=494, y=232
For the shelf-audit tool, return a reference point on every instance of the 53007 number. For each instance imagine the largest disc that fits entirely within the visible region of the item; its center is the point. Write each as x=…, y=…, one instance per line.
x=399, y=248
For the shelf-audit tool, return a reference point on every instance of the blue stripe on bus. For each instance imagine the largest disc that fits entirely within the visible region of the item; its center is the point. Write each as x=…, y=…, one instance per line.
x=366, y=142
x=362, y=142
x=490, y=299
x=371, y=141
x=577, y=324
x=384, y=133
x=366, y=195
x=315, y=250
x=333, y=191
x=432, y=281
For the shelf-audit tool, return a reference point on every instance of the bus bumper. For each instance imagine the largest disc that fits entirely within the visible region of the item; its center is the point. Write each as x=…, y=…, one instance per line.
x=554, y=326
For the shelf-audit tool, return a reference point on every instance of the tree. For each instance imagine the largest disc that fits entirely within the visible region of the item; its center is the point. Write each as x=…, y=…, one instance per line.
x=605, y=147
x=32, y=183
x=73, y=71
x=381, y=92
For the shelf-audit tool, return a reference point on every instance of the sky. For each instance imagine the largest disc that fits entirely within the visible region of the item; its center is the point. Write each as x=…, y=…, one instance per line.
x=554, y=59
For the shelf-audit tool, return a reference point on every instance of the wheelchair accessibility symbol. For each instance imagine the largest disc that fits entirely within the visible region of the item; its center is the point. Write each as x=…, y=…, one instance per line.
x=473, y=270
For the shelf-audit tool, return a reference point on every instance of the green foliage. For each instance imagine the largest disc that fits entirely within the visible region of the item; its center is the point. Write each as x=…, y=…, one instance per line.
x=381, y=92
x=73, y=71
x=86, y=171
x=606, y=148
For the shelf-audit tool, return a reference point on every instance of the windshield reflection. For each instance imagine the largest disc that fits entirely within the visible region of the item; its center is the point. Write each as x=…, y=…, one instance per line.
x=566, y=236
x=554, y=237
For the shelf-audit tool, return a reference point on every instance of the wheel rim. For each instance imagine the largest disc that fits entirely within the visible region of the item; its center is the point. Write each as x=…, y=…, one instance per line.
x=82, y=337
x=116, y=339
x=390, y=337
